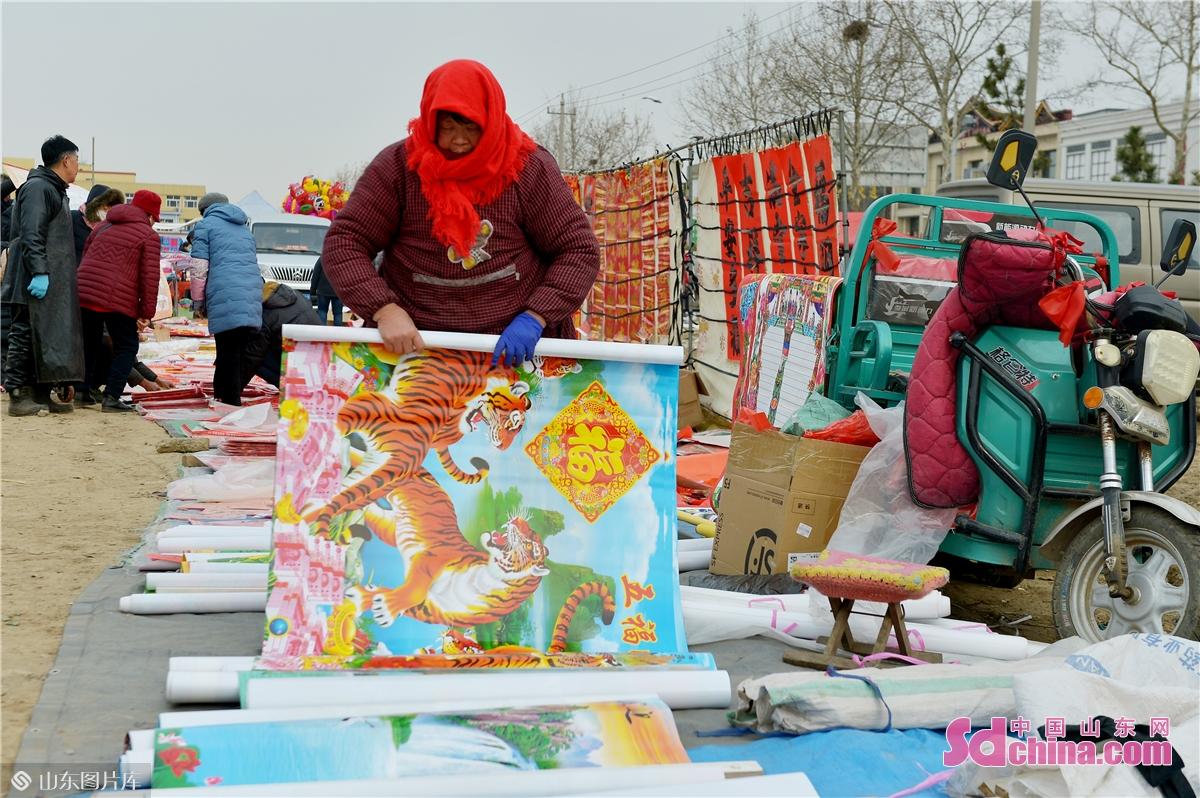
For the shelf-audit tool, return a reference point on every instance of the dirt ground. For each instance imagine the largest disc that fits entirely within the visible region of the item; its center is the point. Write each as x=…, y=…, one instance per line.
x=75, y=492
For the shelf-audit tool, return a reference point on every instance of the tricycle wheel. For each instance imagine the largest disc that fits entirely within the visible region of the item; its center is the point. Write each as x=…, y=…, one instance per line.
x=1163, y=556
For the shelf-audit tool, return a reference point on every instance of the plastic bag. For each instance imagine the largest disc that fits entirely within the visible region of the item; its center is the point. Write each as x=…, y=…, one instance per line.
x=816, y=413
x=853, y=429
x=879, y=518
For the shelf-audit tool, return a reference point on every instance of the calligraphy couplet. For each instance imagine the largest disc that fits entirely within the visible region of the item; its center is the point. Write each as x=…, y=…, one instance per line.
x=818, y=157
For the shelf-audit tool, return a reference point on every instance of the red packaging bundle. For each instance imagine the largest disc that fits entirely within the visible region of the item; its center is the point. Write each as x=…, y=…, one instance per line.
x=853, y=429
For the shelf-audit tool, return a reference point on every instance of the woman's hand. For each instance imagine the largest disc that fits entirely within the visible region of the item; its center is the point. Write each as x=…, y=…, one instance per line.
x=397, y=330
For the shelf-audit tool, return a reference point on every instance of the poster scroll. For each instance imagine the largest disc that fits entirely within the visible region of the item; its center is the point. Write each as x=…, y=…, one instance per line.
x=435, y=503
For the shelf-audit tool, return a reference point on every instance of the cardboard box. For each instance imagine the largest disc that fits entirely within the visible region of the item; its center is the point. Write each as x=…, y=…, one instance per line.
x=781, y=494
x=690, y=414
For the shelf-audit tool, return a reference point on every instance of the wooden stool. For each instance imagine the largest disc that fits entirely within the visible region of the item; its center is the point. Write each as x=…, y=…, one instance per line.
x=846, y=578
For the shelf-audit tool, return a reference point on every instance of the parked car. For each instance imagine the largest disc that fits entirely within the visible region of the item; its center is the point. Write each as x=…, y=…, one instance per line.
x=1141, y=214
x=288, y=246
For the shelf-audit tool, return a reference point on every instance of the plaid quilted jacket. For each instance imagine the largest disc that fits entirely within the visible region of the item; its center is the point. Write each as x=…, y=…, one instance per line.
x=536, y=251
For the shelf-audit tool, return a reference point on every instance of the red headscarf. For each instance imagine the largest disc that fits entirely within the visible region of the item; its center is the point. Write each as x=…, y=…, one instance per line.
x=454, y=187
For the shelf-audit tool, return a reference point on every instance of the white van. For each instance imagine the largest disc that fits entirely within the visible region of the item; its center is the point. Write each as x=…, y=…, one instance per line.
x=1141, y=215
x=288, y=246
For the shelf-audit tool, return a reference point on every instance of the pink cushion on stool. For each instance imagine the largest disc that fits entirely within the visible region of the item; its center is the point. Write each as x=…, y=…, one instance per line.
x=858, y=576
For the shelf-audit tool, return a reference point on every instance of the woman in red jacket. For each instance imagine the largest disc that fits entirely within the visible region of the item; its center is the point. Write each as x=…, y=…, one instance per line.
x=118, y=287
x=478, y=229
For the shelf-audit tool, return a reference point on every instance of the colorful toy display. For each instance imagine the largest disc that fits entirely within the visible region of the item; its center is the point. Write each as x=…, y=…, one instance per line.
x=314, y=197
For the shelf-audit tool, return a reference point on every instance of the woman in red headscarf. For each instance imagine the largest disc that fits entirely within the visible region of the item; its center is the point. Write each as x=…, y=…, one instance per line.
x=478, y=230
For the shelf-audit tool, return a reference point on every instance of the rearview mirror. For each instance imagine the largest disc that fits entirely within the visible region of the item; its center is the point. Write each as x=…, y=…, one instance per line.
x=1178, y=249
x=1012, y=159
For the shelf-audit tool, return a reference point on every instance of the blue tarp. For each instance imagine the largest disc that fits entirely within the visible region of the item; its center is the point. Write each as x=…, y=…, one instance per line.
x=845, y=762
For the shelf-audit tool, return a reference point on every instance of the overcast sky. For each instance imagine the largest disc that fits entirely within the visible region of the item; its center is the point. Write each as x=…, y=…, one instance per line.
x=255, y=96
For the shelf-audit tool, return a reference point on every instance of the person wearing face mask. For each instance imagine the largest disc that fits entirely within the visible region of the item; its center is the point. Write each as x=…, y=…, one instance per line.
x=45, y=342
x=479, y=231
x=91, y=213
x=118, y=291
x=83, y=221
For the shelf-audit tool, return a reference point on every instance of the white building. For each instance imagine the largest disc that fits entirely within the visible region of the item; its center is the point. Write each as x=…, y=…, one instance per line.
x=1088, y=142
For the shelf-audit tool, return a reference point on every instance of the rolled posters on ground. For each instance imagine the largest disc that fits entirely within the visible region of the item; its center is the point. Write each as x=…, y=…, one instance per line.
x=508, y=784
x=679, y=689
x=164, y=603
x=607, y=734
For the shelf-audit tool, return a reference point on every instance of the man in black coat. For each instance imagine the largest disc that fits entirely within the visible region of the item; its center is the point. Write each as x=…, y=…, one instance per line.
x=45, y=343
x=323, y=296
x=263, y=355
x=7, y=188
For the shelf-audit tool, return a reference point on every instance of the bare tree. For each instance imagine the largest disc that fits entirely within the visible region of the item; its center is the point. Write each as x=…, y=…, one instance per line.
x=349, y=173
x=944, y=46
x=1153, y=47
x=594, y=136
x=838, y=56
x=740, y=88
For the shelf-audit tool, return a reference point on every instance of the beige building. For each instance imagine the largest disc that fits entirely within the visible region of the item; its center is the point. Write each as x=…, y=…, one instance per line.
x=971, y=158
x=181, y=201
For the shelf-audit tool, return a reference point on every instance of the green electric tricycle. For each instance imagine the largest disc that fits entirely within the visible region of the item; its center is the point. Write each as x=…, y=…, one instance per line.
x=1075, y=445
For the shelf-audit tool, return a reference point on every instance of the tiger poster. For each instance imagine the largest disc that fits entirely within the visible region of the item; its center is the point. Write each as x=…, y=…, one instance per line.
x=437, y=504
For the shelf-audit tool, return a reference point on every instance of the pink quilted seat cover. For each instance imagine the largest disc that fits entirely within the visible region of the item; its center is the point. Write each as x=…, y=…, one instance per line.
x=859, y=576
x=999, y=282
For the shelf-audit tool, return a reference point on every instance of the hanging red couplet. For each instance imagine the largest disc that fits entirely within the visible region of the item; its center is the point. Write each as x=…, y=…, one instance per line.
x=818, y=156
x=740, y=203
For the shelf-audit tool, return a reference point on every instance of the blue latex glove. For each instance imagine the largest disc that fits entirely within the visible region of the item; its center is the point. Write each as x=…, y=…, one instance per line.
x=518, y=340
x=39, y=285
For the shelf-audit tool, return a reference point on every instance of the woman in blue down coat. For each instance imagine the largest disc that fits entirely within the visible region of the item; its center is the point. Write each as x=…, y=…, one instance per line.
x=233, y=290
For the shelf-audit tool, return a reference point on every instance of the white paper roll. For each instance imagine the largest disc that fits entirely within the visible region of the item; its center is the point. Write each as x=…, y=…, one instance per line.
x=933, y=605
x=417, y=704
x=137, y=767
x=211, y=567
x=225, y=664
x=792, y=602
x=681, y=689
x=139, y=740
x=780, y=785
x=695, y=544
x=706, y=623
x=162, y=603
x=176, y=582
x=915, y=609
x=220, y=530
x=506, y=784
x=552, y=347
x=202, y=687
x=694, y=560
x=258, y=542
x=206, y=556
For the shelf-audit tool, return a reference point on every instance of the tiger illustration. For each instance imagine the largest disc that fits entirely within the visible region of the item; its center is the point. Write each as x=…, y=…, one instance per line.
x=548, y=367
x=439, y=397
x=448, y=581
x=451, y=583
